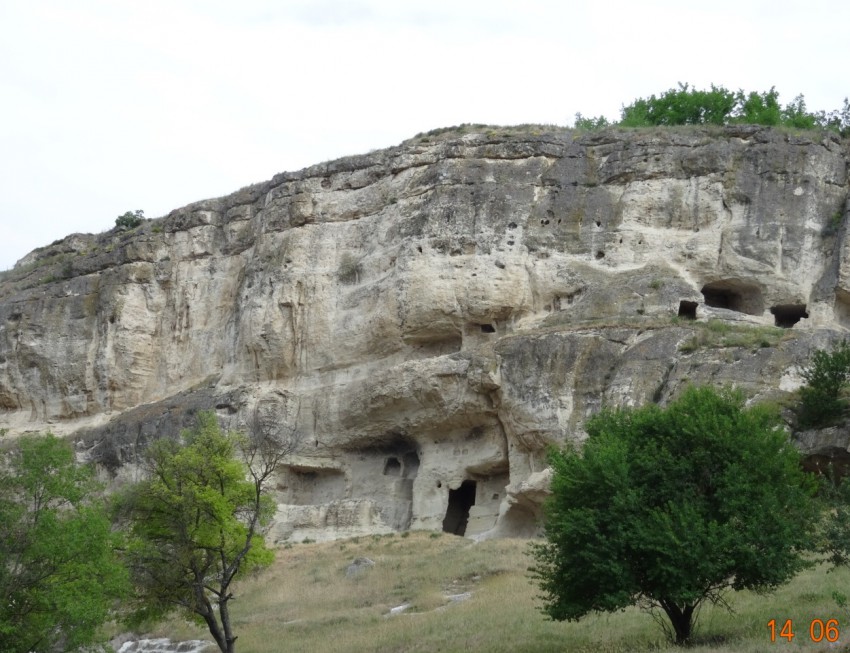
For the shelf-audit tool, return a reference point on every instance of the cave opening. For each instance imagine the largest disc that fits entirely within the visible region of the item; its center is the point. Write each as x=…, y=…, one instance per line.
x=734, y=295
x=411, y=464
x=787, y=315
x=457, y=513
x=392, y=467
x=688, y=310
x=488, y=328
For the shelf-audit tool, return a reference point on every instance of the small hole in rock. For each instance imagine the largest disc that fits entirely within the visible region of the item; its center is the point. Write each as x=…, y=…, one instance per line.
x=598, y=223
x=488, y=328
x=512, y=225
x=688, y=310
x=600, y=254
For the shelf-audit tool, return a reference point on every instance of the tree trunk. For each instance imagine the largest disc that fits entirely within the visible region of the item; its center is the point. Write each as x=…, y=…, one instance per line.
x=224, y=612
x=681, y=619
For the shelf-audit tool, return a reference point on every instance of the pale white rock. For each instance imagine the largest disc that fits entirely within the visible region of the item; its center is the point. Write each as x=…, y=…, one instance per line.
x=425, y=321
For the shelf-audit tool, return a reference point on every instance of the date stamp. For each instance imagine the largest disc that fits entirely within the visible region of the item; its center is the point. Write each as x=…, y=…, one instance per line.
x=819, y=630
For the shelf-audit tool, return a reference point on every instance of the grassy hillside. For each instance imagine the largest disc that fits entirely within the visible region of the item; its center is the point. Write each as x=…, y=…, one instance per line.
x=305, y=602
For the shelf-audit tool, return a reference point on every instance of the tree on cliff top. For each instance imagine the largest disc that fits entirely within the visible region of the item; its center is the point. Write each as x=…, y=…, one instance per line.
x=667, y=508
x=686, y=105
x=196, y=523
x=59, y=571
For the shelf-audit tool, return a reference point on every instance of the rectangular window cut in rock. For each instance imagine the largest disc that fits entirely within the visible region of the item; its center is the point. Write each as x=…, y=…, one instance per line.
x=688, y=310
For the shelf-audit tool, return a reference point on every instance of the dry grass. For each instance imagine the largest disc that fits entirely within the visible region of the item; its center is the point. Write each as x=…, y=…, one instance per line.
x=717, y=334
x=305, y=602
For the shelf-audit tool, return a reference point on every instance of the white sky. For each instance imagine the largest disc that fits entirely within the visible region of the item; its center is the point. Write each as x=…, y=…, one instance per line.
x=116, y=105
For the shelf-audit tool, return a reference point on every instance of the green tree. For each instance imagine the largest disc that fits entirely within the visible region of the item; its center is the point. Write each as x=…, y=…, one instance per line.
x=758, y=108
x=826, y=377
x=196, y=524
x=834, y=540
x=719, y=106
x=682, y=106
x=130, y=220
x=667, y=508
x=59, y=572
x=590, y=124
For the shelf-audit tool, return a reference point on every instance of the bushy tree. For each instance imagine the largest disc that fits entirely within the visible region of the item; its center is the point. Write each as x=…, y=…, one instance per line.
x=682, y=106
x=130, y=219
x=757, y=108
x=196, y=524
x=59, y=572
x=667, y=508
x=719, y=106
x=826, y=377
x=590, y=123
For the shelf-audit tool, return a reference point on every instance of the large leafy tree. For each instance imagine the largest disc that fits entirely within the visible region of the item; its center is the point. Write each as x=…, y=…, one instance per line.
x=59, y=572
x=667, y=508
x=827, y=377
x=196, y=523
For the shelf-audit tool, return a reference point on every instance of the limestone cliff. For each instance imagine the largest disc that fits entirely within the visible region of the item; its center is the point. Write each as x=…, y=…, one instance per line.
x=425, y=319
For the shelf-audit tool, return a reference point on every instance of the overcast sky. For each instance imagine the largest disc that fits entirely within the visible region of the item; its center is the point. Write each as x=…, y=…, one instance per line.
x=109, y=106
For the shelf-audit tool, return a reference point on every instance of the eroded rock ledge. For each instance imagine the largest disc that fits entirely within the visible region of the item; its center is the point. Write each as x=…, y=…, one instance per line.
x=427, y=319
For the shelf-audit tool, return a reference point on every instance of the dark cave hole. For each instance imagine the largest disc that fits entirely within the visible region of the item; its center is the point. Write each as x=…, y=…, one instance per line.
x=392, y=467
x=411, y=464
x=688, y=310
x=734, y=295
x=488, y=328
x=457, y=514
x=787, y=315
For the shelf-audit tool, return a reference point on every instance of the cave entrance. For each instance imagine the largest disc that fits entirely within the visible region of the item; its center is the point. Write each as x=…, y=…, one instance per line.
x=688, y=310
x=457, y=514
x=787, y=315
x=734, y=295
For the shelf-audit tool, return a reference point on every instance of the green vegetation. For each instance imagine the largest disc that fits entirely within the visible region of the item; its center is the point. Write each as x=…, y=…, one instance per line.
x=826, y=378
x=130, y=220
x=305, y=603
x=831, y=228
x=719, y=106
x=667, y=509
x=591, y=124
x=835, y=534
x=350, y=268
x=59, y=571
x=195, y=525
x=717, y=334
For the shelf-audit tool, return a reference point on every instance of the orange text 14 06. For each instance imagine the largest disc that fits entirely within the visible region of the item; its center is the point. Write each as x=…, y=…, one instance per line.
x=819, y=630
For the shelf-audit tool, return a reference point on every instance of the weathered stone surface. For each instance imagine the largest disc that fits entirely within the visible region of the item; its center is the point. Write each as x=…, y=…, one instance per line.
x=425, y=320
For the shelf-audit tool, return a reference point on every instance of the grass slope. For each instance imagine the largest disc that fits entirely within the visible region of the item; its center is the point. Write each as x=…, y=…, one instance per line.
x=305, y=602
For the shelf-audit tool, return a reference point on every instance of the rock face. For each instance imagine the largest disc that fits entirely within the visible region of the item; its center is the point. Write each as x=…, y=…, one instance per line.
x=425, y=320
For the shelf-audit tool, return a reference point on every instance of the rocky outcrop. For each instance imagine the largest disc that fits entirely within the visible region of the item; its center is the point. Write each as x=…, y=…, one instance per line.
x=425, y=320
